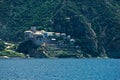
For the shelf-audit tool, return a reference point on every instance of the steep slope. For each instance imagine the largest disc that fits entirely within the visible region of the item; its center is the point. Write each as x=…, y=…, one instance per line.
x=95, y=23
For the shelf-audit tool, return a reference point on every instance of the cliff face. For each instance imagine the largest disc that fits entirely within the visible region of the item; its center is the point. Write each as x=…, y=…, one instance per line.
x=95, y=23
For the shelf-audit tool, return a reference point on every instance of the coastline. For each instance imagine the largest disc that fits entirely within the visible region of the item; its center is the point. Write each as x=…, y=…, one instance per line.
x=7, y=57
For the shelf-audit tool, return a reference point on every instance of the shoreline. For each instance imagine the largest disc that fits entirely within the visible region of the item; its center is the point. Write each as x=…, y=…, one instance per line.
x=6, y=57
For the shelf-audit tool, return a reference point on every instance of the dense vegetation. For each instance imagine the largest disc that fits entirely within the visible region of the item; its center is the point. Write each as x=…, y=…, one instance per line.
x=26, y=47
x=29, y=48
x=7, y=49
x=10, y=53
x=94, y=23
x=2, y=45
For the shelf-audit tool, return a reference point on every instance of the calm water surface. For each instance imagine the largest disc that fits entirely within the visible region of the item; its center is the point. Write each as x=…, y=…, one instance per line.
x=59, y=69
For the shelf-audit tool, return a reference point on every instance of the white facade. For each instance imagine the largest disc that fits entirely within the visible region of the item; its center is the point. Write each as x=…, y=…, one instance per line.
x=40, y=37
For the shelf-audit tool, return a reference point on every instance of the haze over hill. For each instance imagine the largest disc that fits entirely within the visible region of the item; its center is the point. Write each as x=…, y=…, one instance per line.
x=95, y=24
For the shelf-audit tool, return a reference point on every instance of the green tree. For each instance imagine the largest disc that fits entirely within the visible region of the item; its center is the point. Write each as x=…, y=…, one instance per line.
x=26, y=47
x=2, y=45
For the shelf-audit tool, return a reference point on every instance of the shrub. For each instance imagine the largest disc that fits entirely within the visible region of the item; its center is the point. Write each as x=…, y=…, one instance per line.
x=11, y=53
x=26, y=47
x=2, y=45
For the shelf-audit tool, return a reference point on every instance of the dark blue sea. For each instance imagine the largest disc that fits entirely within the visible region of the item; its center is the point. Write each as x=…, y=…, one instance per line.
x=59, y=69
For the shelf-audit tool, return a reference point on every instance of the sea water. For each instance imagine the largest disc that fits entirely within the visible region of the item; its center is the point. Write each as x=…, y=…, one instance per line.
x=59, y=69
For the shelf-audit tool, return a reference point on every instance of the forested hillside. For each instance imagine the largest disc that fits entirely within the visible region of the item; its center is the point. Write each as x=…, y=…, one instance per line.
x=95, y=24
